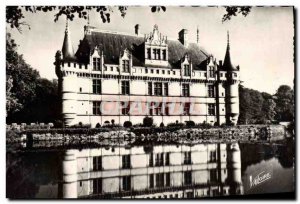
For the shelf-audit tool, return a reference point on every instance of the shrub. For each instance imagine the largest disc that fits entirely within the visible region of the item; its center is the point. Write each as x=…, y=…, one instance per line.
x=127, y=124
x=162, y=125
x=80, y=124
x=147, y=121
x=190, y=123
x=106, y=122
x=98, y=125
x=58, y=124
x=112, y=121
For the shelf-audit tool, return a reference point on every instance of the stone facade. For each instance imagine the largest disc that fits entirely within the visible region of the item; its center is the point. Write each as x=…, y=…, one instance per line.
x=122, y=77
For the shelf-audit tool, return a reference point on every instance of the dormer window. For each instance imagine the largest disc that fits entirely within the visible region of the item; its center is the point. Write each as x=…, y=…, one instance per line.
x=148, y=53
x=96, y=64
x=187, y=71
x=211, y=72
x=164, y=55
x=125, y=66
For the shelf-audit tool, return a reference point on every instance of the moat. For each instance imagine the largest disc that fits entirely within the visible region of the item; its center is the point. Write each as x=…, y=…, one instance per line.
x=149, y=170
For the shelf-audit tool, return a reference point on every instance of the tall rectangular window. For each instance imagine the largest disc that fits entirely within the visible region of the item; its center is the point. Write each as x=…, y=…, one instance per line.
x=96, y=64
x=125, y=108
x=211, y=72
x=166, y=89
x=150, y=88
x=158, y=109
x=158, y=54
x=125, y=87
x=96, y=107
x=97, y=186
x=126, y=183
x=159, y=159
x=97, y=163
x=158, y=89
x=213, y=156
x=126, y=161
x=167, y=109
x=151, y=178
x=148, y=53
x=125, y=66
x=211, y=109
x=186, y=108
x=211, y=91
x=151, y=159
x=150, y=106
x=159, y=180
x=187, y=178
x=185, y=89
x=213, y=175
x=187, y=70
x=187, y=158
x=164, y=54
x=168, y=179
x=167, y=158
x=96, y=86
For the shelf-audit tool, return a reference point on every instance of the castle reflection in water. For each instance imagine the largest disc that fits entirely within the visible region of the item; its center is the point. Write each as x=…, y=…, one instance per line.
x=159, y=171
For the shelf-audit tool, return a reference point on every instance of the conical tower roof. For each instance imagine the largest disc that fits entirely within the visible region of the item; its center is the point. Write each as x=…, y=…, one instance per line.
x=227, y=65
x=67, y=48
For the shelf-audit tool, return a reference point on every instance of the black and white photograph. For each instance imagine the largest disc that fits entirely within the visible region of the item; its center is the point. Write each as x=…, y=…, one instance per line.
x=150, y=102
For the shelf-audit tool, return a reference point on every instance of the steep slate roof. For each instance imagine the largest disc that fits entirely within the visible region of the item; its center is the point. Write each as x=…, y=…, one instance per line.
x=113, y=44
x=227, y=65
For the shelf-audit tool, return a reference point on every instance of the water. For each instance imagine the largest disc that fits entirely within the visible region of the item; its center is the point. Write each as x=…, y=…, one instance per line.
x=149, y=171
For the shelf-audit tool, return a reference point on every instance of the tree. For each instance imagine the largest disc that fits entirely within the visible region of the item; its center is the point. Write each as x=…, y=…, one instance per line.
x=15, y=15
x=284, y=99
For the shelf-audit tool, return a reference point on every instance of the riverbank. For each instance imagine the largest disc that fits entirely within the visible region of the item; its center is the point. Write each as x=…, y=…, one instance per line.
x=144, y=134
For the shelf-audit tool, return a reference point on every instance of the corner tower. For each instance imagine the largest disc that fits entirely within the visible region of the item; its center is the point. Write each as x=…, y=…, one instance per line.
x=67, y=79
x=231, y=88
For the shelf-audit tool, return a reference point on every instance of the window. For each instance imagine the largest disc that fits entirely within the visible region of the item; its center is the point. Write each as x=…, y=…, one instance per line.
x=187, y=158
x=151, y=159
x=126, y=161
x=125, y=108
x=187, y=71
x=97, y=186
x=187, y=178
x=125, y=87
x=157, y=71
x=96, y=64
x=213, y=175
x=80, y=89
x=125, y=66
x=166, y=89
x=211, y=109
x=186, y=108
x=234, y=74
x=186, y=89
x=148, y=53
x=213, y=156
x=150, y=88
x=164, y=54
x=158, y=89
x=96, y=107
x=80, y=66
x=159, y=180
x=159, y=159
x=211, y=91
x=211, y=72
x=150, y=105
x=158, y=109
x=151, y=178
x=173, y=72
x=168, y=179
x=156, y=54
x=167, y=158
x=69, y=64
x=221, y=74
x=205, y=74
x=152, y=71
x=163, y=71
x=97, y=163
x=96, y=86
x=146, y=71
x=126, y=184
x=111, y=68
x=166, y=109
x=169, y=72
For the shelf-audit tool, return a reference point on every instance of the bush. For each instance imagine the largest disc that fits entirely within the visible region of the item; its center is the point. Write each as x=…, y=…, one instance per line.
x=112, y=121
x=127, y=124
x=147, y=121
x=58, y=124
x=177, y=124
x=98, y=125
x=106, y=122
x=190, y=123
x=162, y=125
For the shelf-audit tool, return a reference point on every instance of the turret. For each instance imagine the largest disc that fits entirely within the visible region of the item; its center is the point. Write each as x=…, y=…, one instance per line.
x=67, y=79
x=232, y=88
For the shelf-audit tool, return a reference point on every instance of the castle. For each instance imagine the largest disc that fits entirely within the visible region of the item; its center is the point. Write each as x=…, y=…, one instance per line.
x=116, y=77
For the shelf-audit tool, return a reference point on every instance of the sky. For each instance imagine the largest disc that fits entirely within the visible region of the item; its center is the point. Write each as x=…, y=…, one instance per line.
x=261, y=43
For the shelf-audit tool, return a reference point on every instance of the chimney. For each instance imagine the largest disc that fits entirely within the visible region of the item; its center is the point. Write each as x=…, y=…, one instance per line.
x=183, y=37
x=136, y=28
x=220, y=62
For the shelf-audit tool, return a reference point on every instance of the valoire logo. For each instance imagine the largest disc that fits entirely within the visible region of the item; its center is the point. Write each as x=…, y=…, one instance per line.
x=260, y=178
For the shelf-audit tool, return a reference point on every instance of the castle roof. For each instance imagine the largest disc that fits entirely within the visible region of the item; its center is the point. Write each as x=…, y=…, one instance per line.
x=227, y=65
x=67, y=48
x=112, y=44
